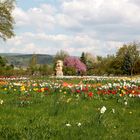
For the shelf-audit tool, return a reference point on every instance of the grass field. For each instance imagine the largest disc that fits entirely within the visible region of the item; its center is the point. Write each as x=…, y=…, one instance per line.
x=61, y=111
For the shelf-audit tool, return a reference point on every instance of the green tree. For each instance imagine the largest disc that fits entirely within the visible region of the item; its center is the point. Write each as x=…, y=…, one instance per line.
x=120, y=58
x=126, y=61
x=83, y=58
x=33, y=64
x=99, y=58
x=134, y=55
x=127, y=56
x=69, y=70
x=127, y=64
x=46, y=69
x=115, y=67
x=90, y=60
x=2, y=62
x=137, y=67
x=6, y=19
x=61, y=55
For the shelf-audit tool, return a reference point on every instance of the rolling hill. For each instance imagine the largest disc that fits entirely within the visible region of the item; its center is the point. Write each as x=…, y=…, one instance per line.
x=22, y=60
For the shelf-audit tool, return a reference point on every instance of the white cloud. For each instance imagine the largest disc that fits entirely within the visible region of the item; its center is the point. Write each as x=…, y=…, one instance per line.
x=38, y=17
x=21, y=17
x=50, y=44
x=16, y=41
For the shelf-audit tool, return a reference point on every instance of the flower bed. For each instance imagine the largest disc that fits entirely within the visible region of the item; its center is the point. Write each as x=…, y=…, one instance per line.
x=85, y=87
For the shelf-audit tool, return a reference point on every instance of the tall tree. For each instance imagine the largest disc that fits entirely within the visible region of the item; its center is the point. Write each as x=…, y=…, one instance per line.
x=83, y=58
x=61, y=55
x=137, y=67
x=6, y=19
x=127, y=64
x=33, y=63
x=134, y=55
x=127, y=57
x=90, y=60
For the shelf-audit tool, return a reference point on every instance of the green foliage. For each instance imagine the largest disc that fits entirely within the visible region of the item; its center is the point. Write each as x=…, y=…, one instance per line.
x=126, y=67
x=83, y=58
x=89, y=60
x=6, y=19
x=126, y=61
x=33, y=61
x=2, y=62
x=61, y=55
x=137, y=67
x=105, y=66
x=128, y=55
x=46, y=70
x=33, y=64
x=4, y=68
x=69, y=71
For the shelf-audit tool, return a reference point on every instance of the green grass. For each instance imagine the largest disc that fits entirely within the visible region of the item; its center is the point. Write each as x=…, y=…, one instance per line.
x=39, y=117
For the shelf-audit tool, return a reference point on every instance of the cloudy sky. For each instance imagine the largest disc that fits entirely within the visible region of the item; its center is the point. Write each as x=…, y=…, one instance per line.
x=96, y=26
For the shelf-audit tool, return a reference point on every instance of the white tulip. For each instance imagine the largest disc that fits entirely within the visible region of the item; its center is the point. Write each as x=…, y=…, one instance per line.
x=1, y=102
x=79, y=124
x=125, y=103
x=113, y=110
x=130, y=95
x=103, y=109
x=68, y=124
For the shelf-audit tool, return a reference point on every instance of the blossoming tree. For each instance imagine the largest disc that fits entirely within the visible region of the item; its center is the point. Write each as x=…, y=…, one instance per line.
x=74, y=62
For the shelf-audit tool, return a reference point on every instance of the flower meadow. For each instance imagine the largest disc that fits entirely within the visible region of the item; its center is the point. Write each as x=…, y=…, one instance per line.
x=69, y=108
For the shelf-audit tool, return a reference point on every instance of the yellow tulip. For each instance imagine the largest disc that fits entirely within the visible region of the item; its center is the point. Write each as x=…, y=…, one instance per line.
x=5, y=88
x=42, y=89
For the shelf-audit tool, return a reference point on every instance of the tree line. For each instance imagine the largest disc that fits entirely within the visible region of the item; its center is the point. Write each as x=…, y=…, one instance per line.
x=126, y=61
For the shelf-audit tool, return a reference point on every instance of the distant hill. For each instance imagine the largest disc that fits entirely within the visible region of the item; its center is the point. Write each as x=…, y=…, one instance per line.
x=10, y=54
x=22, y=60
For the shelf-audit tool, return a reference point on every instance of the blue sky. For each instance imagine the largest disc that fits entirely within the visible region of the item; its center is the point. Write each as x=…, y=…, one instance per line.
x=27, y=4
x=99, y=27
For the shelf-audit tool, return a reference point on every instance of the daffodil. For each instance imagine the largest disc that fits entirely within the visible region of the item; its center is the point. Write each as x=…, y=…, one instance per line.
x=22, y=88
x=35, y=89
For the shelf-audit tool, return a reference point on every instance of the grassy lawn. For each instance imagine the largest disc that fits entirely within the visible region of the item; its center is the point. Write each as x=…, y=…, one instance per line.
x=60, y=116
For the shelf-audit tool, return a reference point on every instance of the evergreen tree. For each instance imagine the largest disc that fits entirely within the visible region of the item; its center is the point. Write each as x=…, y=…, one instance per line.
x=83, y=58
x=127, y=64
x=127, y=56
